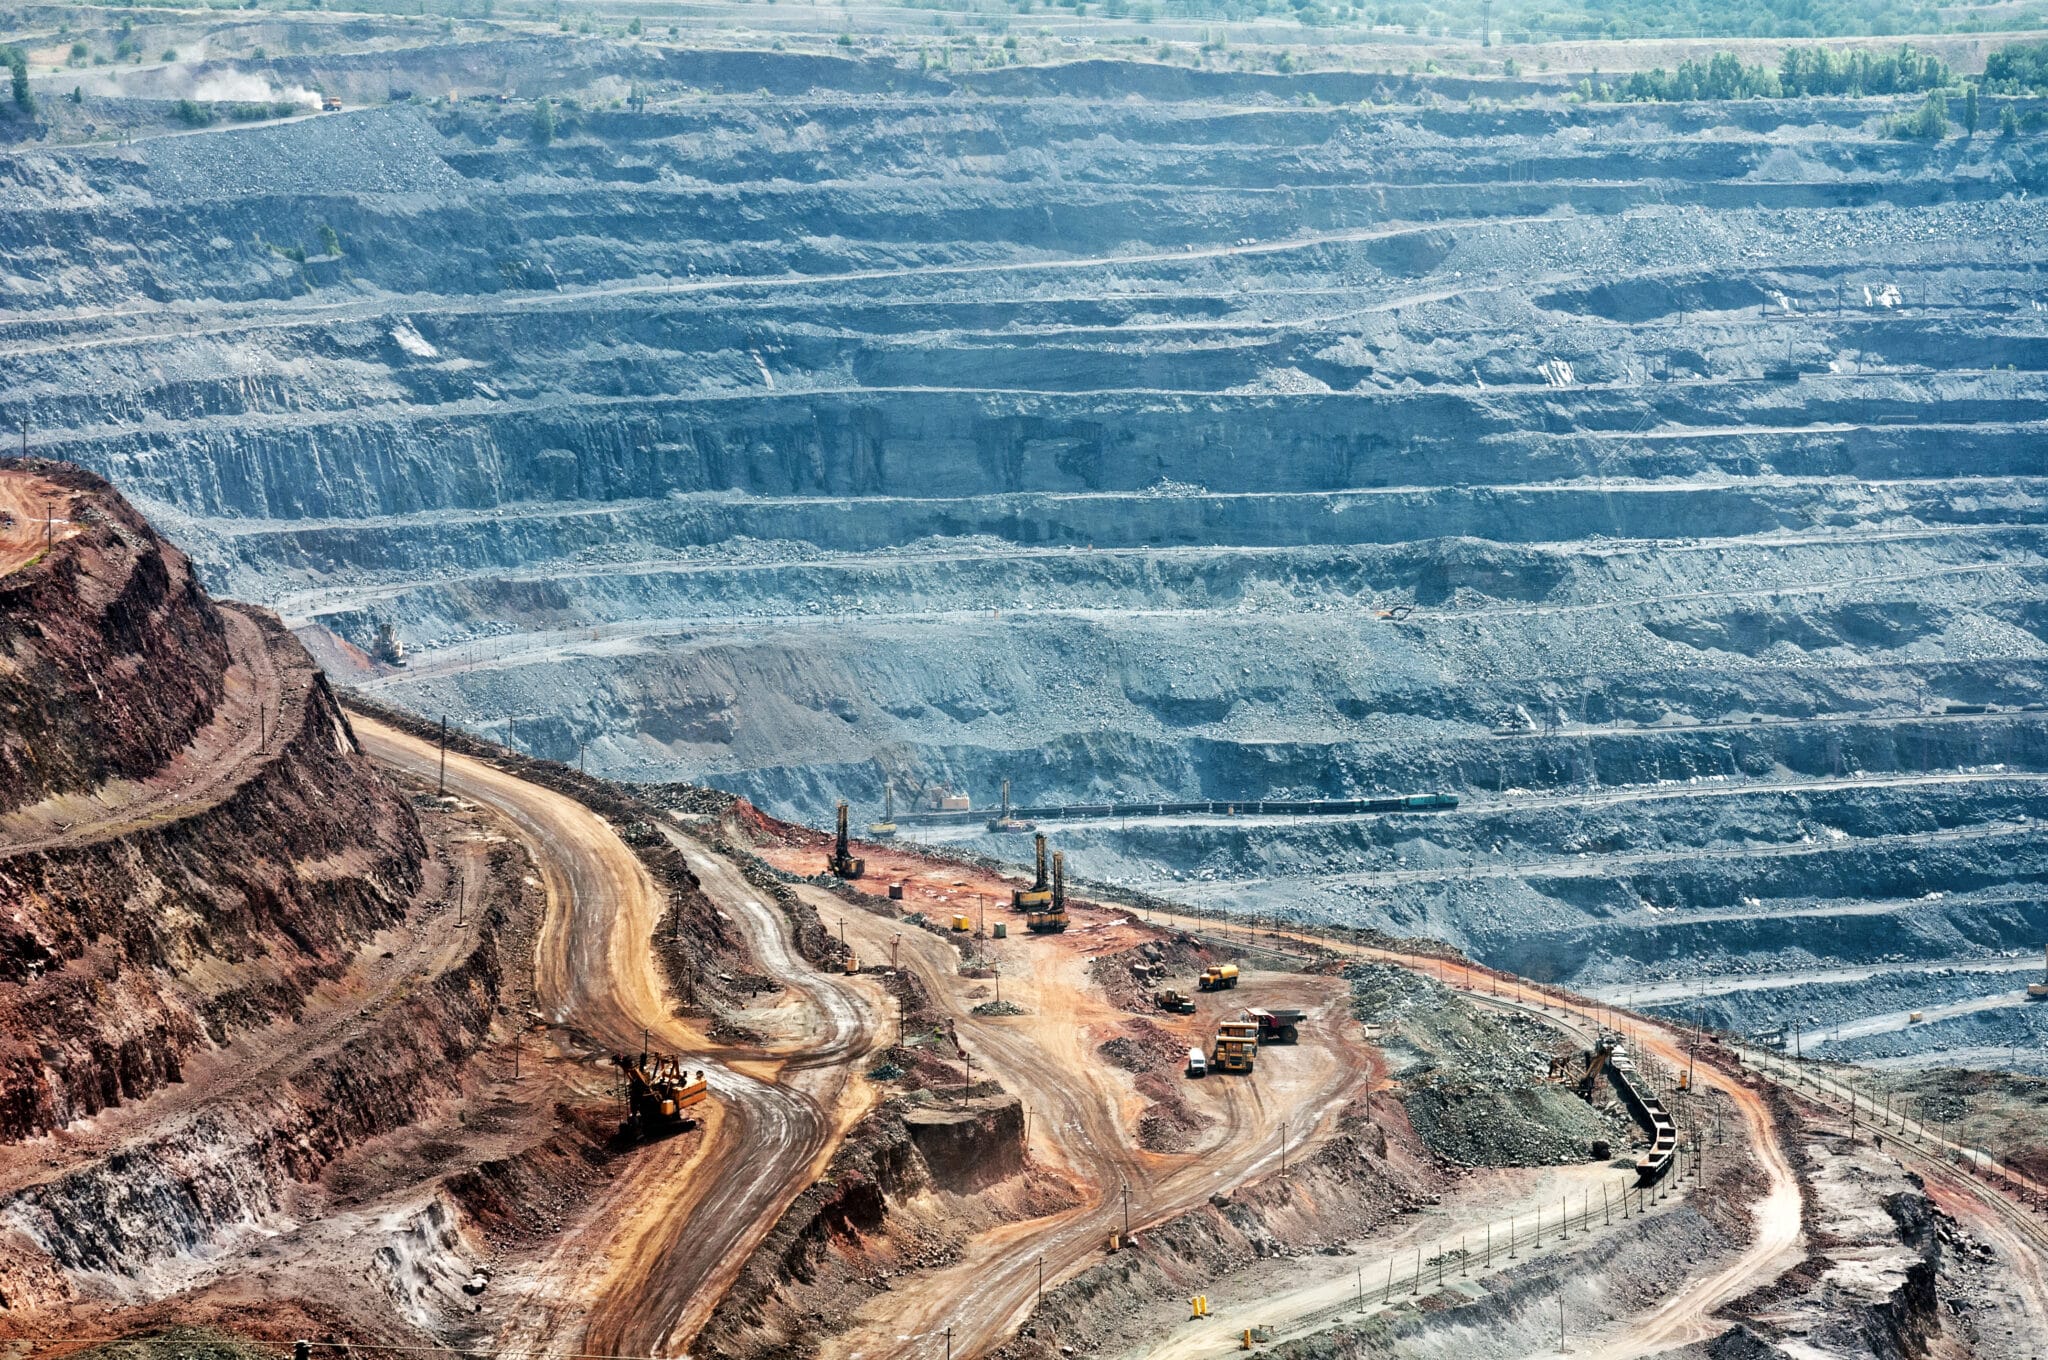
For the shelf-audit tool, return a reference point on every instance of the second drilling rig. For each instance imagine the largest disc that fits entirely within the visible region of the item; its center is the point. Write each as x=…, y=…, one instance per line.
x=844, y=863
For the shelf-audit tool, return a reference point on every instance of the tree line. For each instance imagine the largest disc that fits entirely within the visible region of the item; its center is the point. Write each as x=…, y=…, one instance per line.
x=1803, y=71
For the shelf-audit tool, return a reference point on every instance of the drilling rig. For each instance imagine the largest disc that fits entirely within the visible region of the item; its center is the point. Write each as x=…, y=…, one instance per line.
x=1003, y=821
x=844, y=864
x=659, y=1094
x=1039, y=895
x=885, y=828
x=1051, y=919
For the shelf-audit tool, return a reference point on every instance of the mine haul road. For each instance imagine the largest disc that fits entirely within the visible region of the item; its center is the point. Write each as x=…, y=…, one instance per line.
x=685, y=1237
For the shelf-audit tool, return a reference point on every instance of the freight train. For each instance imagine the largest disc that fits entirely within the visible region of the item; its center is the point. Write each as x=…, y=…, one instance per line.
x=1259, y=807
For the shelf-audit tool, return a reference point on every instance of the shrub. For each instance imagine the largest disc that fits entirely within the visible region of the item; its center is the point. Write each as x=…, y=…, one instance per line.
x=1929, y=123
x=543, y=122
x=192, y=114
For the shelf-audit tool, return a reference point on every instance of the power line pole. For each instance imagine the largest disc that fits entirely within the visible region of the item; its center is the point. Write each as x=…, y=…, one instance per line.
x=442, y=786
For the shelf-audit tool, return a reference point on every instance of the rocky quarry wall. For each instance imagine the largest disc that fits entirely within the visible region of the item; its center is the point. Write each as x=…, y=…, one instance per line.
x=1076, y=426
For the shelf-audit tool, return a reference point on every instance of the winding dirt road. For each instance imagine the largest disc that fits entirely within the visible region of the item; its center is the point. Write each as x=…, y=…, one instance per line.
x=687, y=1237
x=1080, y=1120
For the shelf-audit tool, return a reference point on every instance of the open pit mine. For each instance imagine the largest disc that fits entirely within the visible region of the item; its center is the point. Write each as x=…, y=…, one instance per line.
x=781, y=683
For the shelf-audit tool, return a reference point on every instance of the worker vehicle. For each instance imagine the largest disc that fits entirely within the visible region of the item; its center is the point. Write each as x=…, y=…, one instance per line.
x=1052, y=918
x=1198, y=1063
x=660, y=1094
x=885, y=828
x=852, y=964
x=844, y=864
x=1038, y=896
x=1236, y=1047
x=1217, y=977
x=1170, y=999
x=2038, y=991
x=1278, y=1026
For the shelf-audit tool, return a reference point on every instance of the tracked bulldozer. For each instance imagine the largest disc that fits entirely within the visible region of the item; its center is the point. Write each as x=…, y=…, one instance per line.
x=844, y=864
x=660, y=1095
x=1039, y=895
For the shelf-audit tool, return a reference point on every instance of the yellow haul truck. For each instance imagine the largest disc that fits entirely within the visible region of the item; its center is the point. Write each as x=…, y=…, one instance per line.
x=1237, y=1046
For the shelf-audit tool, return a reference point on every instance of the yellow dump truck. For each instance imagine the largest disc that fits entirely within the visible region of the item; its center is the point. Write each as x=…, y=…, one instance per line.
x=1217, y=976
x=1236, y=1047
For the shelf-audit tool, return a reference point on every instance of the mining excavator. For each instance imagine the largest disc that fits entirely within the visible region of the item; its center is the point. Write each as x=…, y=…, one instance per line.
x=1051, y=919
x=1039, y=895
x=1581, y=1070
x=660, y=1094
x=844, y=864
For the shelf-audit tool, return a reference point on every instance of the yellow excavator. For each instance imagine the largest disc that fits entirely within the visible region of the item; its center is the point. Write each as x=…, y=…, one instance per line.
x=660, y=1094
x=844, y=864
x=1039, y=895
x=1581, y=1070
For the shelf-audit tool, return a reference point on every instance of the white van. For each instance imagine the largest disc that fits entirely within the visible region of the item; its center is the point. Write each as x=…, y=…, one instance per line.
x=1198, y=1065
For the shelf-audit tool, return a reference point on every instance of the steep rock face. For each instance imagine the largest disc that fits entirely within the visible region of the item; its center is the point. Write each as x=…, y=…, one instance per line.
x=110, y=656
x=1085, y=426
x=188, y=900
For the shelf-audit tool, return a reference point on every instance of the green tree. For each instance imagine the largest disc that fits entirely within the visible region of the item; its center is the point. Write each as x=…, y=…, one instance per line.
x=330, y=240
x=24, y=98
x=1970, y=113
x=544, y=122
x=2008, y=122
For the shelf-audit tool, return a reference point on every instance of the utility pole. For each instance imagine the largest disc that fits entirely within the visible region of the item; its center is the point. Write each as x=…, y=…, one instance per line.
x=1041, y=1281
x=1127, y=1210
x=442, y=786
x=949, y=1341
x=1283, y=1147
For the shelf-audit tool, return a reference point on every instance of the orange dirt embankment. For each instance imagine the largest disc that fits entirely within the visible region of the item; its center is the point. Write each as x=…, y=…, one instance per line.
x=200, y=842
x=116, y=657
